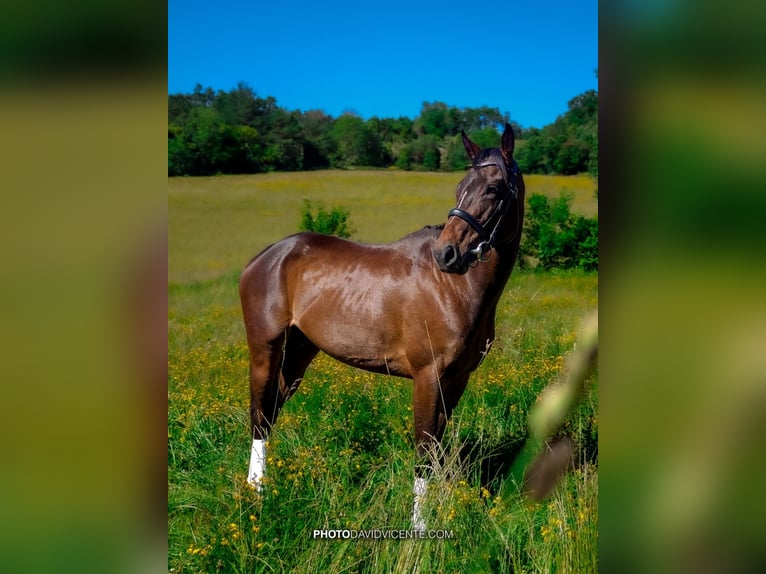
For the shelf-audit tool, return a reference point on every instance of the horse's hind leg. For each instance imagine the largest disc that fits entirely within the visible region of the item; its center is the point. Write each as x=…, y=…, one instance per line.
x=276, y=370
x=299, y=352
x=265, y=360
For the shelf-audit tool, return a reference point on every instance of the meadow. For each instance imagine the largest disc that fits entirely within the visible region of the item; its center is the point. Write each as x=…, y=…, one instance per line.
x=342, y=453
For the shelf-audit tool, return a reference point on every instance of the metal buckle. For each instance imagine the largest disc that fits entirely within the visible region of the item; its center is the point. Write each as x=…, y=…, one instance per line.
x=481, y=251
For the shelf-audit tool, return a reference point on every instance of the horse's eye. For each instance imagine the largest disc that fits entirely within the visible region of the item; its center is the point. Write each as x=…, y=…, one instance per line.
x=492, y=188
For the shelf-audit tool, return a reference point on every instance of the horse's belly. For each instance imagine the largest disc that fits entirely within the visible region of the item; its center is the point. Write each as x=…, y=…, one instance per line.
x=388, y=366
x=358, y=343
x=354, y=315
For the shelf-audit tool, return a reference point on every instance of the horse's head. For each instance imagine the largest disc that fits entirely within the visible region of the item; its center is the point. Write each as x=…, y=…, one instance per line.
x=489, y=207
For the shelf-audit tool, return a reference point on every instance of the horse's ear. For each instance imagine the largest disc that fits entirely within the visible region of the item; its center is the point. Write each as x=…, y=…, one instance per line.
x=470, y=148
x=507, y=144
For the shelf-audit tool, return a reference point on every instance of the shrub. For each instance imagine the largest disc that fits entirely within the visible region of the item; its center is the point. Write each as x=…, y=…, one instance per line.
x=334, y=221
x=554, y=238
x=587, y=238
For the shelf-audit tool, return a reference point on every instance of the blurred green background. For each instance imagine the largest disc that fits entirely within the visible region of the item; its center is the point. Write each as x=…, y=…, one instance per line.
x=682, y=282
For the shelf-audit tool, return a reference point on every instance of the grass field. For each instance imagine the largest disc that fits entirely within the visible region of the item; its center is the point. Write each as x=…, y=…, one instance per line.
x=342, y=453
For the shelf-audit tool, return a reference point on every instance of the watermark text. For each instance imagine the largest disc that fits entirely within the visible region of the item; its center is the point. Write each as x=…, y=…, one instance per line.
x=381, y=534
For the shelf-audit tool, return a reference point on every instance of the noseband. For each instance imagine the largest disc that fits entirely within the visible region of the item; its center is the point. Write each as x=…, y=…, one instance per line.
x=488, y=239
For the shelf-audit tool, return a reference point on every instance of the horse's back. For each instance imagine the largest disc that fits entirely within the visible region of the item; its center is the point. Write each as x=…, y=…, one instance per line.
x=310, y=246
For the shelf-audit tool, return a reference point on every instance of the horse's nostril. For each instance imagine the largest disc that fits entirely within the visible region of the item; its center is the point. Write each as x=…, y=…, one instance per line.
x=450, y=255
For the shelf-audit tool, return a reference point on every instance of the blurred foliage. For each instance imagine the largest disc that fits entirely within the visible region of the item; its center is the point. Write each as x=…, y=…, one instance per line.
x=683, y=299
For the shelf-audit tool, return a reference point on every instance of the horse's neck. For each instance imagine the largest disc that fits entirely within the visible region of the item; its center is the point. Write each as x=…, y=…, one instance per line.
x=486, y=281
x=490, y=277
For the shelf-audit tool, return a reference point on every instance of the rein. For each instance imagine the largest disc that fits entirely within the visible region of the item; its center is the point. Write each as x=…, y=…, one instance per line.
x=487, y=242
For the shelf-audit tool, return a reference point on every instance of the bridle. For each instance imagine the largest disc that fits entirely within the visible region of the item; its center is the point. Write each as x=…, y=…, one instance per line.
x=487, y=240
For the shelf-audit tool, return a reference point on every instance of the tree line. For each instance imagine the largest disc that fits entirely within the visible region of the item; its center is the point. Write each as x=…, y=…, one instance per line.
x=237, y=131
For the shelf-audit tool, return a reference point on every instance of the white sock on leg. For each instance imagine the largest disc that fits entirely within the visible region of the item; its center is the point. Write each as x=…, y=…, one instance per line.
x=257, y=463
x=419, y=490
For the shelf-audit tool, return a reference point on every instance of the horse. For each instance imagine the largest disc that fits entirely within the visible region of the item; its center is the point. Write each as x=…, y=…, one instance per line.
x=422, y=307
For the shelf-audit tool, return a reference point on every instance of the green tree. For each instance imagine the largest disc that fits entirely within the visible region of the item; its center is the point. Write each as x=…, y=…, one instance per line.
x=455, y=157
x=438, y=120
x=238, y=107
x=204, y=134
x=531, y=156
x=245, y=150
x=284, y=142
x=569, y=145
x=237, y=131
x=404, y=157
x=202, y=97
x=318, y=144
x=180, y=158
x=356, y=144
x=572, y=157
x=475, y=119
x=425, y=153
x=485, y=137
x=179, y=106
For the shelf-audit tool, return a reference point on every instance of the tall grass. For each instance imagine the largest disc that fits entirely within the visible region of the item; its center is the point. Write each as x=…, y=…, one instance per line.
x=342, y=452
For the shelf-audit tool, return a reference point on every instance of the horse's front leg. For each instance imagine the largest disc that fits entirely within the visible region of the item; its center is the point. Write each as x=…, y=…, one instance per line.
x=434, y=399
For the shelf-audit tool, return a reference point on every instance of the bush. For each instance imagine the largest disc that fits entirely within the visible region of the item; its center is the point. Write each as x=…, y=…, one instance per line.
x=587, y=237
x=554, y=238
x=332, y=222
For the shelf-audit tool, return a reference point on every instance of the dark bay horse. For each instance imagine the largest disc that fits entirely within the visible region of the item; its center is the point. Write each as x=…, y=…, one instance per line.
x=422, y=307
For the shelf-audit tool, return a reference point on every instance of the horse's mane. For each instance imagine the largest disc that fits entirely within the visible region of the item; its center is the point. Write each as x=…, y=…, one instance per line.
x=424, y=234
x=428, y=230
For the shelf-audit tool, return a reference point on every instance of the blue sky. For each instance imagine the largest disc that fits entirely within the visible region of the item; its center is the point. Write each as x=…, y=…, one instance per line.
x=386, y=58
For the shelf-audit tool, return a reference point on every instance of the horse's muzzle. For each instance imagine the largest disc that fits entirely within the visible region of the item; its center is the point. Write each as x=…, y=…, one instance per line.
x=450, y=260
